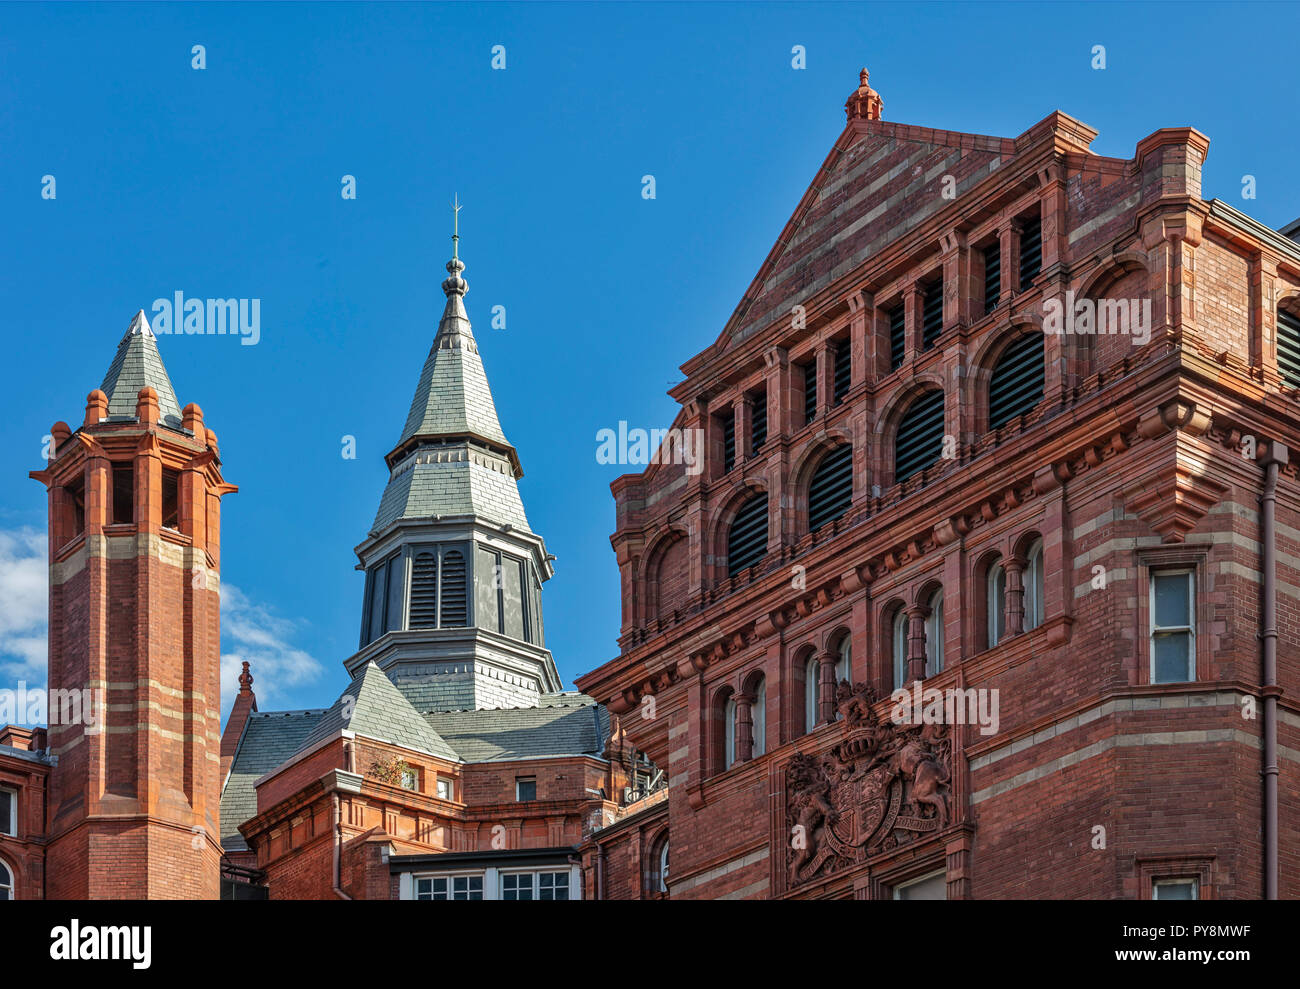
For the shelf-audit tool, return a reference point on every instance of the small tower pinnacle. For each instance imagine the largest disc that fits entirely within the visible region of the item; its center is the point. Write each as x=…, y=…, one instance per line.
x=864, y=103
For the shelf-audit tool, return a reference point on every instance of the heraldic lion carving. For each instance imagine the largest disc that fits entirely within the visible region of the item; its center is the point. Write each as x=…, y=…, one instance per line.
x=880, y=786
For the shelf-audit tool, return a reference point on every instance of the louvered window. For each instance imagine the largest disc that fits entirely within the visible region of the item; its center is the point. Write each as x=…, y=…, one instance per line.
x=747, y=538
x=1031, y=252
x=831, y=488
x=728, y=441
x=920, y=436
x=992, y=276
x=809, y=392
x=424, y=591
x=455, y=609
x=843, y=370
x=758, y=425
x=897, y=337
x=932, y=315
x=1017, y=382
x=1288, y=347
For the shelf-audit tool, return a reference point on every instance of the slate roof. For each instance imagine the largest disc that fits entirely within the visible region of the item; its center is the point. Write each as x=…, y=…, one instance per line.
x=269, y=739
x=137, y=364
x=373, y=706
x=453, y=397
x=463, y=487
x=564, y=724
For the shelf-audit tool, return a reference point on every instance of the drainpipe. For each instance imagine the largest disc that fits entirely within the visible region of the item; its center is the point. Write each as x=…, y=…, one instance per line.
x=1276, y=456
x=338, y=849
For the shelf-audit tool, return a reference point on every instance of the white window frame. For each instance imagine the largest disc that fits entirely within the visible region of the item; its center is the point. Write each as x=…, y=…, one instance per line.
x=996, y=598
x=899, y=635
x=1154, y=630
x=758, y=719
x=1034, y=586
x=450, y=878
x=729, y=732
x=934, y=635
x=447, y=785
x=519, y=781
x=10, y=827
x=6, y=881
x=1192, y=881
x=844, y=665
x=812, y=672
x=414, y=776
x=897, y=892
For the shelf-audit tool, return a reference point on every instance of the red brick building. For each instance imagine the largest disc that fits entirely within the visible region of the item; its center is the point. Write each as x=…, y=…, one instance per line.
x=1001, y=425
x=1005, y=420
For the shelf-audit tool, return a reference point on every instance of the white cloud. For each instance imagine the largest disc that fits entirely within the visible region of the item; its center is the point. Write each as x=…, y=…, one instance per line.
x=24, y=606
x=252, y=633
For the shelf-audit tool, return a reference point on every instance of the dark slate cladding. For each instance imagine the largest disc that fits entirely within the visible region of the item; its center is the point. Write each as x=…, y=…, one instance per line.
x=747, y=538
x=843, y=369
x=992, y=276
x=831, y=489
x=728, y=441
x=563, y=725
x=1031, y=251
x=897, y=337
x=758, y=427
x=920, y=436
x=932, y=314
x=269, y=739
x=1288, y=347
x=1016, y=385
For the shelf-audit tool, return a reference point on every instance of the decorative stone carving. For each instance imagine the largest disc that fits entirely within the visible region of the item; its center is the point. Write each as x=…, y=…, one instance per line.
x=879, y=787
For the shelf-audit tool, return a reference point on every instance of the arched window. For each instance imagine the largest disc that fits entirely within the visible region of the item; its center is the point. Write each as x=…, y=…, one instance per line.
x=830, y=490
x=934, y=635
x=1034, y=586
x=424, y=591
x=997, y=603
x=919, y=442
x=758, y=717
x=900, y=647
x=844, y=665
x=1288, y=347
x=812, y=672
x=663, y=867
x=455, y=609
x=729, y=732
x=1016, y=384
x=747, y=537
x=6, y=882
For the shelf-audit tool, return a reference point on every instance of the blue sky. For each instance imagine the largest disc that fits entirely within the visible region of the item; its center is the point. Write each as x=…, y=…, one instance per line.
x=225, y=182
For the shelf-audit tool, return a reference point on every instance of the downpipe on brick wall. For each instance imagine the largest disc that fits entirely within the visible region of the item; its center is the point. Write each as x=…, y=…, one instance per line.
x=1277, y=455
x=338, y=848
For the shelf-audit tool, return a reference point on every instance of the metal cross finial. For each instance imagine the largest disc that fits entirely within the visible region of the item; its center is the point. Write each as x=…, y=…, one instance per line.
x=455, y=227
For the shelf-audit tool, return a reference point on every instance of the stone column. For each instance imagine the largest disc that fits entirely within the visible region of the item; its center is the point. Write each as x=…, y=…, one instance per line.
x=826, y=687
x=1015, y=614
x=916, y=642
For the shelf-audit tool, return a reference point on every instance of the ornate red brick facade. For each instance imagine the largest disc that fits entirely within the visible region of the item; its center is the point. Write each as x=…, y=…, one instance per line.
x=1021, y=557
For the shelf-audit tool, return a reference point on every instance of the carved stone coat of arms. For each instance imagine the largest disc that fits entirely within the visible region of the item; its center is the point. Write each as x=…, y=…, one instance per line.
x=879, y=787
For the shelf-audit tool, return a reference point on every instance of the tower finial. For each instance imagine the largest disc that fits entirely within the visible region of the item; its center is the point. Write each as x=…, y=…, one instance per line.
x=455, y=285
x=455, y=227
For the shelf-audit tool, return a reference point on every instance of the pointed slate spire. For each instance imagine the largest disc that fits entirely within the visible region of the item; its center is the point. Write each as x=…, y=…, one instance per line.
x=137, y=364
x=453, y=397
x=374, y=708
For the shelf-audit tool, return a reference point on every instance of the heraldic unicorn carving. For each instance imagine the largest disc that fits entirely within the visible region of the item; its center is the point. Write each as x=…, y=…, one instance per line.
x=878, y=788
